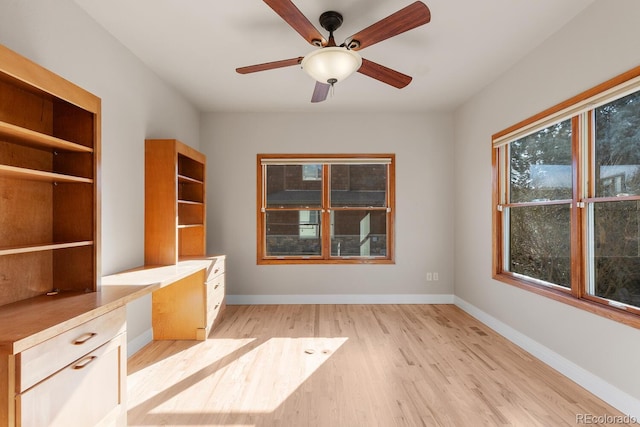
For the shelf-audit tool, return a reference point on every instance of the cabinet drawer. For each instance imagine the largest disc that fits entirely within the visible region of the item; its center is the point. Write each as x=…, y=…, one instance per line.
x=84, y=393
x=44, y=359
x=215, y=298
x=217, y=268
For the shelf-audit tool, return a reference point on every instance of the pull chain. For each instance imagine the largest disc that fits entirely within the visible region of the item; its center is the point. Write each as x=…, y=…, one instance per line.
x=332, y=83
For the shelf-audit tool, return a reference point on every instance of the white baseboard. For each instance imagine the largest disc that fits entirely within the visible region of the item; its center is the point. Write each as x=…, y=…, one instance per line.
x=136, y=343
x=341, y=299
x=617, y=398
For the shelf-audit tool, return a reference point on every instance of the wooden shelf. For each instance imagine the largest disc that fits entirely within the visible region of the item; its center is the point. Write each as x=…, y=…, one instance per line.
x=175, y=215
x=184, y=178
x=43, y=247
x=34, y=139
x=49, y=171
x=36, y=175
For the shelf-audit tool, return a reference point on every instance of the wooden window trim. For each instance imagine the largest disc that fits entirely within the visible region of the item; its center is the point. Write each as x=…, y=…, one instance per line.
x=325, y=256
x=576, y=296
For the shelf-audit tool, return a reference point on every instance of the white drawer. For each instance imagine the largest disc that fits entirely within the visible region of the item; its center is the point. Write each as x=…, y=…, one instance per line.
x=44, y=359
x=217, y=268
x=215, y=298
x=84, y=393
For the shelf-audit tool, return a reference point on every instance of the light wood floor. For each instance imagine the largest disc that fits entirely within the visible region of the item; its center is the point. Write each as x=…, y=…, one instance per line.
x=351, y=366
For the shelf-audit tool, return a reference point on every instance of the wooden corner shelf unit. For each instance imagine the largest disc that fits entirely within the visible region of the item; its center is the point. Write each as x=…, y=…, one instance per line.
x=175, y=202
x=175, y=234
x=62, y=343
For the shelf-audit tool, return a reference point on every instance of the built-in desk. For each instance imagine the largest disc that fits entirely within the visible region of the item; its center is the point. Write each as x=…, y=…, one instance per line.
x=187, y=298
x=58, y=351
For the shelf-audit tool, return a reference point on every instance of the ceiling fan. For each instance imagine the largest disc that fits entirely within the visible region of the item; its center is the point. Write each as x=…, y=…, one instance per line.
x=330, y=64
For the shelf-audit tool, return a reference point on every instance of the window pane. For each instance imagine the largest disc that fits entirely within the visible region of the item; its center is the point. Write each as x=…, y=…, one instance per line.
x=358, y=185
x=311, y=172
x=286, y=187
x=616, y=257
x=359, y=233
x=540, y=165
x=540, y=243
x=288, y=234
x=617, y=150
x=309, y=224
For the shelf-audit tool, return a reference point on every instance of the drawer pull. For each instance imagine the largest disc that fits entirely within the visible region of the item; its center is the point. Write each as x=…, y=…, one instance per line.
x=84, y=362
x=216, y=286
x=84, y=338
x=216, y=270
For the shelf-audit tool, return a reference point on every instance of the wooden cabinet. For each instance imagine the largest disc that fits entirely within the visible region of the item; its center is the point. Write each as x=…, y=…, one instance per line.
x=49, y=151
x=175, y=202
x=75, y=378
x=175, y=234
x=62, y=346
x=64, y=362
x=216, y=291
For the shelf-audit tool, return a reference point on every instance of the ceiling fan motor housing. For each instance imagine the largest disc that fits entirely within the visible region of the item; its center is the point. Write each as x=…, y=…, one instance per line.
x=331, y=20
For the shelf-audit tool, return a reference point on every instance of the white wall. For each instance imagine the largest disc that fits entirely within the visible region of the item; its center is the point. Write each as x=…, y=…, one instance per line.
x=136, y=105
x=424, y=225
x=600, y=43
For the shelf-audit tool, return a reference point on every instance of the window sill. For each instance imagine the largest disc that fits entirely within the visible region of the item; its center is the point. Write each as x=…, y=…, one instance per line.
x=613, y=313
x=316, y=261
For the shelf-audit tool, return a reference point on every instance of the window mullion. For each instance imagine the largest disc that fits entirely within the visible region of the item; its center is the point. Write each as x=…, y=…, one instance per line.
x=326, y=212
x=577, y=218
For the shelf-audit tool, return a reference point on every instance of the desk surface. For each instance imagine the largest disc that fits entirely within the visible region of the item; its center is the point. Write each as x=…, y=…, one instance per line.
x=26, y=323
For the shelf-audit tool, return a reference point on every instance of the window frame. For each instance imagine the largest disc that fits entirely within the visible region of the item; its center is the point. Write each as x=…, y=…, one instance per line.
x=326, y=228
x=580, y=109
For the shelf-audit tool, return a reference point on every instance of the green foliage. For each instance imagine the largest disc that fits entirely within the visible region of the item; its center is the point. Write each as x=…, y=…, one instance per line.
x=550, y=146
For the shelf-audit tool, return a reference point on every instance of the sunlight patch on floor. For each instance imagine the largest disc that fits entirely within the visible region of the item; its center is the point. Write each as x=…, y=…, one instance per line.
x=169, y=366
x=234, y=376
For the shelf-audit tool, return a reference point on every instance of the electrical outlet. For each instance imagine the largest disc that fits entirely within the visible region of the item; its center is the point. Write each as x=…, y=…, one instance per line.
x=435, y=276
x=429, y=276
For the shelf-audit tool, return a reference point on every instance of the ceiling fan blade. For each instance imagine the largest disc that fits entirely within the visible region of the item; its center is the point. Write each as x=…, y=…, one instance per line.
x=384, y=74
x=320, y=92
x=292, y=15
x=269, y=65
x=412, y=16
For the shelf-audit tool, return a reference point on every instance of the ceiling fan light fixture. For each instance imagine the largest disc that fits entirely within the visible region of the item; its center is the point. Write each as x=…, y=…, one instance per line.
x=331, y=64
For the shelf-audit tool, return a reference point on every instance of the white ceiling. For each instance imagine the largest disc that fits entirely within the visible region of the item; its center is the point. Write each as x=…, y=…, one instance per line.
x=196, y=45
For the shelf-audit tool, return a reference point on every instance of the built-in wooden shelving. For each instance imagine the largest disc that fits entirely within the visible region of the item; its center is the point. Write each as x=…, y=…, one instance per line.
x=175, y=205
x=49, y=153
x=49, y=257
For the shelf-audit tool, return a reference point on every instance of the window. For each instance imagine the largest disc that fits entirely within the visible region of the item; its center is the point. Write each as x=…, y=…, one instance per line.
x=567, y=201
x=325, y=208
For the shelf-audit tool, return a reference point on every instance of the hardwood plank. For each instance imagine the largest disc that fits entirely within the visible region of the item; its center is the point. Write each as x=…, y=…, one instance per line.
x=350, y=365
